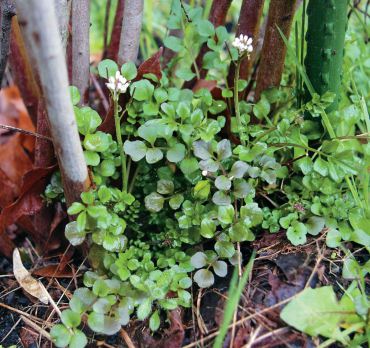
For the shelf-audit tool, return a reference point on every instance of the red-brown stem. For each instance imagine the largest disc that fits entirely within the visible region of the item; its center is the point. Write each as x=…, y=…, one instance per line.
x=113, y=47
x=281, y=13
x=22, y=73
x=248, y=24
x=217, y=17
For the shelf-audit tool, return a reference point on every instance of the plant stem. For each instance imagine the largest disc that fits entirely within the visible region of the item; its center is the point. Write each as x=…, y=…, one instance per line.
x=117, y=121
x=236, y=102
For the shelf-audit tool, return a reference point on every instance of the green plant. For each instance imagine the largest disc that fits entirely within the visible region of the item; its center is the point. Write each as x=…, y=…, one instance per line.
x=175, y=196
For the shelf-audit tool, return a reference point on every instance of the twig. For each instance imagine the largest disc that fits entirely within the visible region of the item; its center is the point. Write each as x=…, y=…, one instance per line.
x=7, y=11
x=124, y=335
x=20, y=130
x=100, y=92
x=34, y=326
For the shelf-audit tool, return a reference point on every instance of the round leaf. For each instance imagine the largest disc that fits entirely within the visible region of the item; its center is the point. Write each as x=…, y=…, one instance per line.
x=204, y=278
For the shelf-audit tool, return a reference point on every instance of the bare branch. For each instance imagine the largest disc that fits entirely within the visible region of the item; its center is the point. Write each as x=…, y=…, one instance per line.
x=63, y=12
x=112, y=51
x=81, y=46
x=281, y=13
x=131, y=29
x=7, y=11
x=34, y=17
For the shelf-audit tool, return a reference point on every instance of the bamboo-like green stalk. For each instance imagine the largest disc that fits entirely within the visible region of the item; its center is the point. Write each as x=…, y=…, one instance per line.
x=327, y=23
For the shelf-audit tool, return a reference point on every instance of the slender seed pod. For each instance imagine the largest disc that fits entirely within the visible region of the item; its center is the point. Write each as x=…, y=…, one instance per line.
x=327, y=23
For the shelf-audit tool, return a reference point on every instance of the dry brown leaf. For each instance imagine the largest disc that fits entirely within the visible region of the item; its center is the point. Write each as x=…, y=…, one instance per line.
x=26, y=281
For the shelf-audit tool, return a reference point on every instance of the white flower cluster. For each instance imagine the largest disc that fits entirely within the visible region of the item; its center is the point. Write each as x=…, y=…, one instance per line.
x=117, y=84
x=243, y=44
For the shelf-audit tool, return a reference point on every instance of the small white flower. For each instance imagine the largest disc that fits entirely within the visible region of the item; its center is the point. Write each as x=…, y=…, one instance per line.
x=117, y=84
x=243, y=44
x=204, y=173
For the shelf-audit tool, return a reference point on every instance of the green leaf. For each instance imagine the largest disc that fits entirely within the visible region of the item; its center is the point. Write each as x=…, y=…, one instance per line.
x=165, y=187
x=202, y=150
x=221, y=198
x=296, y=233
x=220, y=268
x=78, y=340
x=173, y=43
x=253, y=212
x=224, y=249
x=104, y=194
x=321, y=166
x=144, y=309
x=223, y=183
x=199, y=259
x=107, y=68
x=75, y=208
x=141, y=90
x=189, y=165
x=75, y=95
x=305, y=164
x=101, y=323
x=241, y=188
x=82, y=299
x=60, y=335
x=226, y=214
x=107, y=168
x=202, y=189
x=239, y=169
x=204, y=278
x=262, y=108
x=98, y=142
x=176, y=201
x=91, y=158
x=185, y=74
x=205, y=28
x=154, y=202
x=102, y=305
x=153, y=155
x=333, y=238
x=129, y=71
x=176, y=153
x=70, y=318
x=135, y=149
x=154, y=321
x=101, y=288
x=315, y=312
x=224, y=149
x=207, y=228
x=315, y=225
x=88, y=120
x=239, y=232
x=81, y=222
x=149, y=132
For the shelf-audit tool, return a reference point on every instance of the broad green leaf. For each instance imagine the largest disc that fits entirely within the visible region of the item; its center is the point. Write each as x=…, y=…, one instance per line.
x=315, y=225
x=202, y=189
x=296, y=233
x=321, y=166
x=70, y=318
x=101, y=323
x=333, y=238
x=315, y=312
x=224, y=149
x=75, y=95
x=207, y=228
x=60, y=335
x=221, y=198
x=199, y=259
x=135, y=149
x=165, y=187
x=176, y=153
x=78, y=340
x=205, y=28
x=153, y=155
x=189, y=165
x=222, y=182
x=225, y=249
x=107, y=68
x=107, y=168
x=173, y=43
x=176, y=201
x=204, y=278
x=239, y=169
x=220, y=268
x=202, y=149
x=154, y=202
x=226, y=214
x=154, y=321
x=129, y=71
x=144, y=309
x=141, y=90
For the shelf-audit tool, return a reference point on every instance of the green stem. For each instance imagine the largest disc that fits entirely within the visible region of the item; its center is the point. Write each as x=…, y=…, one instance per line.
x=236, y=102
x=117, y=121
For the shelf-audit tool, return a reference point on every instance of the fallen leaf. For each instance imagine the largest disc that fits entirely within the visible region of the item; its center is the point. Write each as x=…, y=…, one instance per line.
x=26, y=281
x=54, y=271
x=151, y=66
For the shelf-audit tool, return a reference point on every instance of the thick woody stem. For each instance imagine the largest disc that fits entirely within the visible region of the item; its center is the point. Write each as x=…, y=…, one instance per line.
x=47, y=51
x=131, y=29
x=281, y=13
x=7, y=11
x=63, y=12
x=81, y=47
x=21, y=70
x=248, y=24
x=112, y=51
